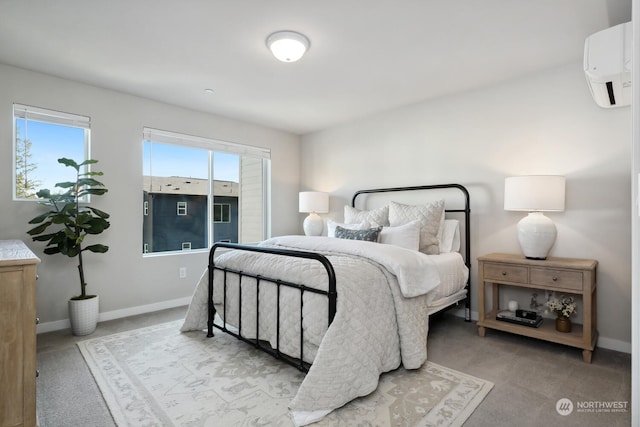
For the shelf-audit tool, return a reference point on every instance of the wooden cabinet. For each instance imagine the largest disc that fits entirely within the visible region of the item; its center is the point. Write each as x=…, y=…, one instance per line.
x=17, y=334
x=565, y=276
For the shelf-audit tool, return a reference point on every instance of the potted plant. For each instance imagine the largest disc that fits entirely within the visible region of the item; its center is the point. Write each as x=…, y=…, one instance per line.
x=564, y=308
x=72, y=220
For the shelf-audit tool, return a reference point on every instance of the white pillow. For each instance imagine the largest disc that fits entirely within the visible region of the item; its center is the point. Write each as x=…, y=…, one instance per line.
x=374, y=217
x=450, y=241
x=331, y=227
x=430, y=216
x=406, y=236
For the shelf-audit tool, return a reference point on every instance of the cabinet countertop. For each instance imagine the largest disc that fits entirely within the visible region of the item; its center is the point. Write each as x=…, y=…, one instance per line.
x=552, y=262
x=15, y=252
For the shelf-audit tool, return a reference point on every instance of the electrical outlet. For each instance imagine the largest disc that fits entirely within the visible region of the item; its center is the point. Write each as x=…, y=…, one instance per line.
x=183, y=272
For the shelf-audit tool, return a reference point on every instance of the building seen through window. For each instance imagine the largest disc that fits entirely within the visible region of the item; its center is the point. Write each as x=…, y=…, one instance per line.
x=194, y=197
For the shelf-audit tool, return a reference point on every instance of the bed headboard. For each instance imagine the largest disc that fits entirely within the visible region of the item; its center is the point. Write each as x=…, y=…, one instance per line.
x=456, y=202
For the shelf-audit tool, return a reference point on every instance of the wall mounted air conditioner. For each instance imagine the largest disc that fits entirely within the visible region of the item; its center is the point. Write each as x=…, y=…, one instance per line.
x=607, y=65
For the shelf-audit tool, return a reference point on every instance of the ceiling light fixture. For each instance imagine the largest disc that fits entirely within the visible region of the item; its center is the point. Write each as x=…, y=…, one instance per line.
x=287, y=46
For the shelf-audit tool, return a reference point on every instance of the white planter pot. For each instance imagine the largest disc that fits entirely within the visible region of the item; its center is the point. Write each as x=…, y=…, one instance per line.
x=83, y=315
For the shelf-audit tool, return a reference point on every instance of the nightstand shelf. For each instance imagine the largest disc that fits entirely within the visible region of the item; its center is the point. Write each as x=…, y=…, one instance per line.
x=568, y=276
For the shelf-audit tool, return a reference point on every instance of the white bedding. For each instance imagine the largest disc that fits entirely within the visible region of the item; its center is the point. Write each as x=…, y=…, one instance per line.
x=380, y=322
x=453, y=275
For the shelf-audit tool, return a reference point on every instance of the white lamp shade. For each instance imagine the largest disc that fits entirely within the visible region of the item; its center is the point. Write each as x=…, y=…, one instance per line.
x=287, y=46
x=534, y=193
x=314, y=201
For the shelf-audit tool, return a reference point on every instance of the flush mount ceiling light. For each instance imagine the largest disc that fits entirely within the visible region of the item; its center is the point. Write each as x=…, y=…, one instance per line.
x=287, y=46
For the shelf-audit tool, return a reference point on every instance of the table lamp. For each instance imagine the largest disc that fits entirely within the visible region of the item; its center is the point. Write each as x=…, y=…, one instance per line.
x=313, y=202
x=535, y=194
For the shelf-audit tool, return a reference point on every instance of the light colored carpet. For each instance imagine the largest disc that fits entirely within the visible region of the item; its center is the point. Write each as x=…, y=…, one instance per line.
x=159, y=376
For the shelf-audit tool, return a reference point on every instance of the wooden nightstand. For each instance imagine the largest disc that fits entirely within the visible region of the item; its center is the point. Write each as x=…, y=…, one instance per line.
x=565, y=276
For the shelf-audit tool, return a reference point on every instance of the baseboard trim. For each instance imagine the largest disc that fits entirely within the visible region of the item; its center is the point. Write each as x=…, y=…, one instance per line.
x=603, y=342
x=57, y=325
x=613, y=344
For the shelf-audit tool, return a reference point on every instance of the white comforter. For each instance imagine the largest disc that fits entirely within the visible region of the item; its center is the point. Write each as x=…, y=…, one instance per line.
x=381, y=319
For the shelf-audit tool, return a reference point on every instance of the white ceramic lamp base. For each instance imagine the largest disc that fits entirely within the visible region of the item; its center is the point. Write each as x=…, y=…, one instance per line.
x=536, y=234
x=313, y=225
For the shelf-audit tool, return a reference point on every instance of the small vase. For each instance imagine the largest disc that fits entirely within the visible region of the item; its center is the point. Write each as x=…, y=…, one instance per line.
x=563, y=324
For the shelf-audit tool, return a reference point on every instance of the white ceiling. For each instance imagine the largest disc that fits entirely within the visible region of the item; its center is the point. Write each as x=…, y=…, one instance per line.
x=366, y=56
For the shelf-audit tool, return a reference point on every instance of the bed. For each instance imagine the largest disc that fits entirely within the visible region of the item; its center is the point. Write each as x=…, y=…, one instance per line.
x=344, y=308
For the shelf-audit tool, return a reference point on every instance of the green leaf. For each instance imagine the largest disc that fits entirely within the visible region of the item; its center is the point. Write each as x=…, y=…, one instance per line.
x=100, y=213
x=39, y=229
x=65, y=184
x=44, y=193
x=88, y=162
x=89, y=182
x=96, y=191
x=70, y=234
x=40, y=218
x=97, y=248
x=69, y=162
x=51, y=251
x=97, y=226
x=44, y=237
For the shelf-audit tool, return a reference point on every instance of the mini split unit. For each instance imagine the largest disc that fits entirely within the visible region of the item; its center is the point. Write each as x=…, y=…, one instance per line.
x=607, y=65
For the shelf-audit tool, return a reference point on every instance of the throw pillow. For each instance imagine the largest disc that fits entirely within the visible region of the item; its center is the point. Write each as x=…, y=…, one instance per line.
x=406, y=236
x=331, y=227
x=369, y=235
x=430, y=217
x=379, y=216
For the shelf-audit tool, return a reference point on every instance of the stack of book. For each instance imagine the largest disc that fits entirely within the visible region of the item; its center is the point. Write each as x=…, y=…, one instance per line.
x=532, y=320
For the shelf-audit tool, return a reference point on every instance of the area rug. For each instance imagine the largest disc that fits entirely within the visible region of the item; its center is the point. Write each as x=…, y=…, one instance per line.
x=158, y=376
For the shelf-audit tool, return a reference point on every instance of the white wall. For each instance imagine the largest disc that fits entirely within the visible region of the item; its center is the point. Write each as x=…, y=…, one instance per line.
x=122, y=277
x=543, y=124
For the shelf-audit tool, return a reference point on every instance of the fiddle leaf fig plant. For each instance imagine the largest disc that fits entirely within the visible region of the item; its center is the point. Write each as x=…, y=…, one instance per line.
x=71, y=219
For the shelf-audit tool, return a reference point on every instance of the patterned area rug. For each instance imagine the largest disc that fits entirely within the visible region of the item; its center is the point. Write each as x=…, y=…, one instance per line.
x=158, y=376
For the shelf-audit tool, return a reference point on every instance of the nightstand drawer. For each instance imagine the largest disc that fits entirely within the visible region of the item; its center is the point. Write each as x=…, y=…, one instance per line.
x=505, y=272
x=570, y=280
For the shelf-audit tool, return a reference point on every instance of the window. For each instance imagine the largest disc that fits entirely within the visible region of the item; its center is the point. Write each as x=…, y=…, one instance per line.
x=225, y=186
x=221, y=212
x=41, y=137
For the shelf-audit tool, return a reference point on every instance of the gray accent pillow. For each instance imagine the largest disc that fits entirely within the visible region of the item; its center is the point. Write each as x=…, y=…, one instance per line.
x=369, y=235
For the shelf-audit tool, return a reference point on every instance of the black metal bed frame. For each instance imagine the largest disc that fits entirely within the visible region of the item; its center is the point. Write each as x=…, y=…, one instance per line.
x=331, y=293
x=467, y=224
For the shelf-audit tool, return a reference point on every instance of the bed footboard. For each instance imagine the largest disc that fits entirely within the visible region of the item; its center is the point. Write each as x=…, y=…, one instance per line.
x=331, y=294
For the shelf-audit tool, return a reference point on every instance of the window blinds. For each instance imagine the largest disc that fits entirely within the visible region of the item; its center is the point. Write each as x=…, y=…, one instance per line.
x=41, y=115
x=167, y=137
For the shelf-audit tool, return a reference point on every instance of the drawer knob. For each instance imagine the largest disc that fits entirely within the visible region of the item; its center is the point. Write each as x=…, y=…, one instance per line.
x=504, y=273
x=555, y=278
